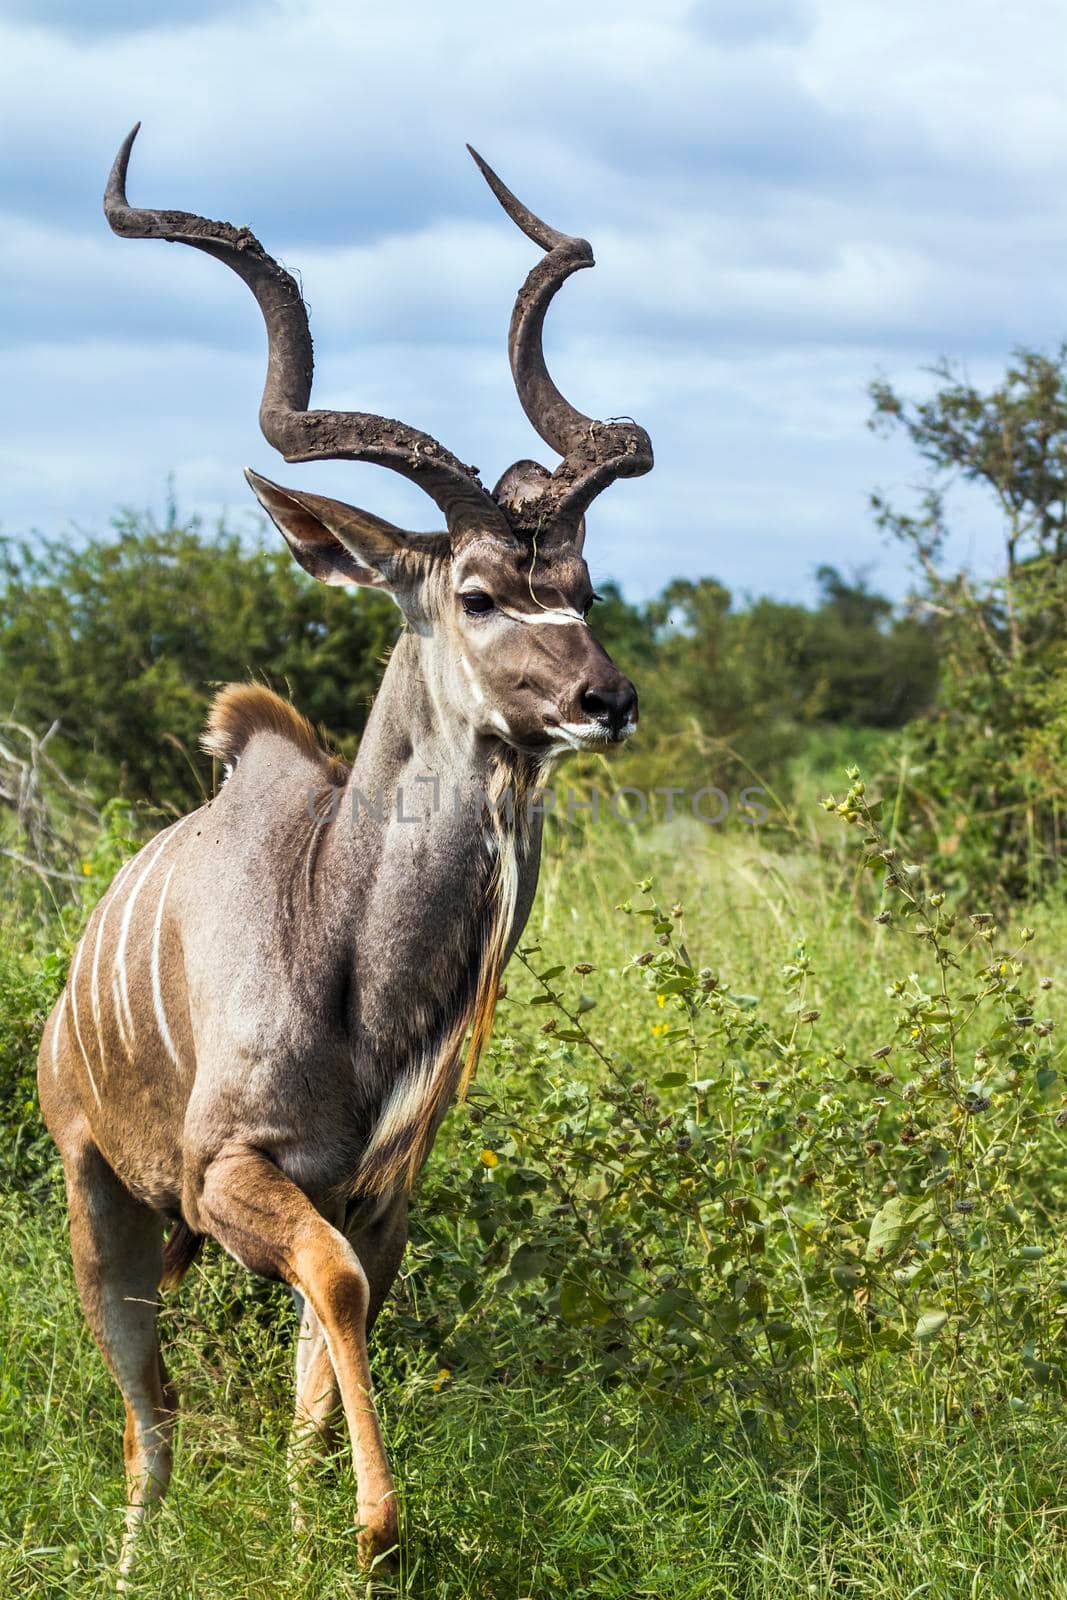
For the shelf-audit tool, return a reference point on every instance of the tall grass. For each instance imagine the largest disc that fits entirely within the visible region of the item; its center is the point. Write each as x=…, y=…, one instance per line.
x=531, y=1461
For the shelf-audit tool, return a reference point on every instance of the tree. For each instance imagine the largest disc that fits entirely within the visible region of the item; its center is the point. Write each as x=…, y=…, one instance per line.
x=123, y=640
x=993, y=766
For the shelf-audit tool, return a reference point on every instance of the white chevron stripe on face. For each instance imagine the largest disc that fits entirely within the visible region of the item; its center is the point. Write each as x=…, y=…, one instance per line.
x=157, y=988
x=554, y=618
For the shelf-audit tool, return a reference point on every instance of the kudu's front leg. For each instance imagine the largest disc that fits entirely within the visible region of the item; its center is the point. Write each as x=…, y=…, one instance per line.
x=379, y=1245
x=262, y=1218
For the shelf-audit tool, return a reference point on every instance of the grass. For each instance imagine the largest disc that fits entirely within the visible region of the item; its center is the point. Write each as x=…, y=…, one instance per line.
x=521, y=1488
x=516, y=1482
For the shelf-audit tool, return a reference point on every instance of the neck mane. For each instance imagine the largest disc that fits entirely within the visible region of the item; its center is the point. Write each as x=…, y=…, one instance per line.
x=476, y=838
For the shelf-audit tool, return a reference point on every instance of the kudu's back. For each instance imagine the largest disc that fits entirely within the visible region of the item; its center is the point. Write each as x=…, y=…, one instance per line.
x=185, y=1015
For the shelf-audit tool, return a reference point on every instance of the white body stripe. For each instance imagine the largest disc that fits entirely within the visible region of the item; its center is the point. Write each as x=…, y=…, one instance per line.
x=57, y=1024
x=94, y=987
x=124, y=930
x=116, y=998
x=157, y=988
x=72, y=986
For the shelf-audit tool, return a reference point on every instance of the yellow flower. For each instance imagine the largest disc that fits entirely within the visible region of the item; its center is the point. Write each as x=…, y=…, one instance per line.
x=489, y=1158
x=661, y=1000
x=659, y=1029
x=443, y=1375
x=87, y=868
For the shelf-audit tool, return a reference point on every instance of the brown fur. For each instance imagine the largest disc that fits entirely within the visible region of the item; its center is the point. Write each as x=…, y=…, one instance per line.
x=241, y=710
x=180, y=1251
x=259, y=999
x=396, y=1163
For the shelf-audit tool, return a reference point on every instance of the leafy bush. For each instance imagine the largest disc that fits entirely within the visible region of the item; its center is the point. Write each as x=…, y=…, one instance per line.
x=33, y=969
x=123, y=639
x=740, y=1204
x=986, y=771
x=735, y=1204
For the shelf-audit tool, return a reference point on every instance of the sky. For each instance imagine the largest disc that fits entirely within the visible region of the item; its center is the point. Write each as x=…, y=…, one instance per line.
x=787, y=198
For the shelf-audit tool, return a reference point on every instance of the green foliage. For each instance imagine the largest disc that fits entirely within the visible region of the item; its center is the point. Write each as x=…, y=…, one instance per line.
x=743, y=1292
x=736, y=1203
x=525, y=1486
x=988, y=769
x=124, y=639
x=731, y=690
x=34, y=958
x=30, y=980
x=847, y=659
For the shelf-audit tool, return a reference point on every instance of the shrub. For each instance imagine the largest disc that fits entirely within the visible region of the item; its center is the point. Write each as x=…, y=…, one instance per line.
x=986, y=771
x=740, y=1205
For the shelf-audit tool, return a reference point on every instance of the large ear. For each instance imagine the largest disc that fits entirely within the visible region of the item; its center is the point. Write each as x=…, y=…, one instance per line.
x=336, y=543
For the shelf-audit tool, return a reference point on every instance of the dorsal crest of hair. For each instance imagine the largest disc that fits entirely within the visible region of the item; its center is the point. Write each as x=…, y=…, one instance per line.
x=241, y=710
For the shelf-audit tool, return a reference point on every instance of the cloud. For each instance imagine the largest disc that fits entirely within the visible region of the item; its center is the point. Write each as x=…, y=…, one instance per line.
x=785, y=197
x=741, y=23
x=106, y=17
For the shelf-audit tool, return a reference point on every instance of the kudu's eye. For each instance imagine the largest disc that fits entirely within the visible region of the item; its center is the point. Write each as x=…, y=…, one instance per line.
x=476, y=603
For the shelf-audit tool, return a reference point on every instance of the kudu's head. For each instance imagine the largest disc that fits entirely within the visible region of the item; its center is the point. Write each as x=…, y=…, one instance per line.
x=500, y=599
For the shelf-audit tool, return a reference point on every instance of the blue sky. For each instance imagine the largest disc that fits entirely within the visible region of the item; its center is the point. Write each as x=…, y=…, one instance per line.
x=786, y=198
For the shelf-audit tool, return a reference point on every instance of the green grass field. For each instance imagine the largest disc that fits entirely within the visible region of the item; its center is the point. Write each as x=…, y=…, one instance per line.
x=542, y=1449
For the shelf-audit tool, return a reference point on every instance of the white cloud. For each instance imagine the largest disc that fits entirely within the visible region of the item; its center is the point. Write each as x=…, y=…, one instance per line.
x=785, y=196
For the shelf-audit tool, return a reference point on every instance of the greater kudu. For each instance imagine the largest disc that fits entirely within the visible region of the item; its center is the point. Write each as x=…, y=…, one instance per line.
x=264, y=1020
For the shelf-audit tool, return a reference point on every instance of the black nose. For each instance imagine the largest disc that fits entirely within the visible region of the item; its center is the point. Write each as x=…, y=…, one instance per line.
x=614, y=703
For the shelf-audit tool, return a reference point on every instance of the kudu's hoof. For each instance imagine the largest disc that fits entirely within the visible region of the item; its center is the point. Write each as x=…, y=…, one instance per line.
x=378, y=1540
